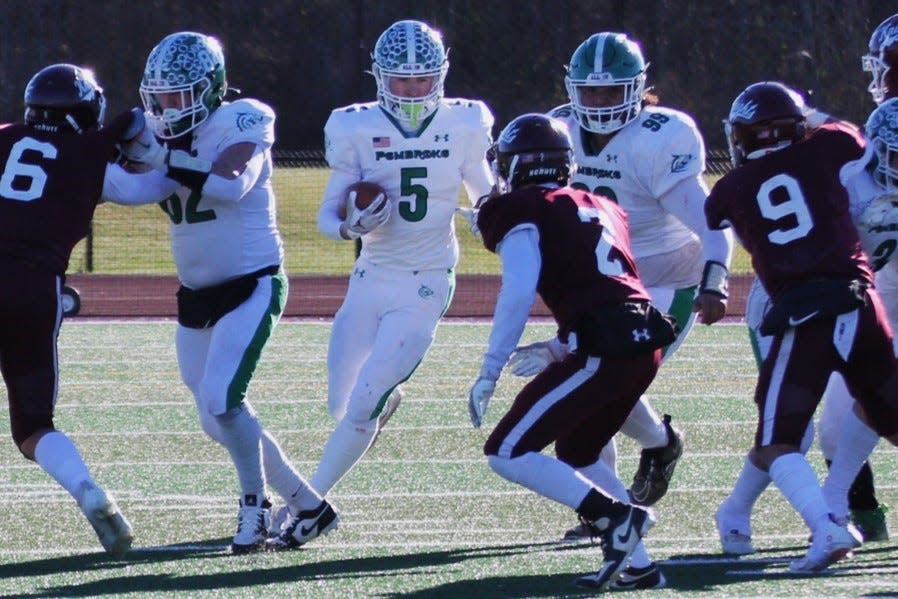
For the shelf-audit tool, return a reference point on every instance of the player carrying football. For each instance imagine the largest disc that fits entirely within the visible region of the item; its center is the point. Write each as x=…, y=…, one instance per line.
x=420, y=147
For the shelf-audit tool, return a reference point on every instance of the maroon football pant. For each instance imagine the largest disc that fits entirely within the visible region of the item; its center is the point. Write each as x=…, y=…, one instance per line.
x=578, y=403
x=793, y=377
x=30, y=315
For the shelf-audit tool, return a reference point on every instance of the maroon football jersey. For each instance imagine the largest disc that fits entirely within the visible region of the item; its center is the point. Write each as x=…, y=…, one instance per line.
x=50, y=185
x=584, y=243
x=790, y=211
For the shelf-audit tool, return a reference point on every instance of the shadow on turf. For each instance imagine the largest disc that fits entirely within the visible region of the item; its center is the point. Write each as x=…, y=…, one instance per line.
x=682, y=576
x=118, y=580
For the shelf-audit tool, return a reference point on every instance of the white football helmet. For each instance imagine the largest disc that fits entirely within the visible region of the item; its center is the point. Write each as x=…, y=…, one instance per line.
x=882, y=131
x=882, y=56
x=409, y=49
x=183, y=83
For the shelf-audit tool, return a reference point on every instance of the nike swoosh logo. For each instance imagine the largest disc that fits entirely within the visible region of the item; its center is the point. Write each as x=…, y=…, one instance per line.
x=794, y=322
x=305, y=531
x=626, y=538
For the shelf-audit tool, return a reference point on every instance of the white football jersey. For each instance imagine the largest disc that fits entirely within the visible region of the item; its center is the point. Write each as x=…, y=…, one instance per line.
x=875, y=214
x=642, y=162
x=421, y=172
x=214, y=240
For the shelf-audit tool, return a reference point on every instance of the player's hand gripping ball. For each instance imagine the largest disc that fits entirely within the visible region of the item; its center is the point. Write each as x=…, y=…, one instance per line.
x=365, y=194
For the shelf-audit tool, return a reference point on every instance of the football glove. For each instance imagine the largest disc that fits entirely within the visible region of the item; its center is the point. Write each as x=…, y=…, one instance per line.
x=479, y=398
x=470, y=215
x=143, y=147
x=528, y=360
x=361, y=222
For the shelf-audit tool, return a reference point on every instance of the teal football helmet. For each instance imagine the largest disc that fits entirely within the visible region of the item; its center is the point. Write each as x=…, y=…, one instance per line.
x=183, y=83
x=606, y=60
x=409, y=49
x=882, y=131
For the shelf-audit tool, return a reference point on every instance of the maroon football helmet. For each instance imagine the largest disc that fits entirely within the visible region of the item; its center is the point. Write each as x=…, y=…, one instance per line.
x=533, y=148
x=767, y=116
x=64, y=97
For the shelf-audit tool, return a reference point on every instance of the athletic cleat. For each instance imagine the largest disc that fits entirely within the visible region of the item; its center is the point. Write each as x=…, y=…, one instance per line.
x=831, y=543
x=656, y=468
x=637, y=579
x=390, y=406
x=278, y=520
x=114, y=532
x=732, y=542
x=619, y=538
x=305, y=526
x=578, y=534
x=871, y=523
x=253, y=522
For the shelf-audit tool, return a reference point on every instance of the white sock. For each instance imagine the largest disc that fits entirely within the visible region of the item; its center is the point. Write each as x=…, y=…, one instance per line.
x=346, y=446
x=285, y=479
x=548, y=476
x=797, y=480
x=59, y=458
x=645, y=426
x=241, y=435
x=738, y=505
x=856, y=443
x=603, y=477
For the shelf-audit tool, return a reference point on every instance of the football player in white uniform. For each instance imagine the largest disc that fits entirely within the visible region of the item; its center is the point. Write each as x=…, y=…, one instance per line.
x=228, y=252
x=650, y=160
x=420, y=147
x=873, y=214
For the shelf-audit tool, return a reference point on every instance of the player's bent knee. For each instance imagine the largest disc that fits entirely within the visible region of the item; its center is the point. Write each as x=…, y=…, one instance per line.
x=27, y=429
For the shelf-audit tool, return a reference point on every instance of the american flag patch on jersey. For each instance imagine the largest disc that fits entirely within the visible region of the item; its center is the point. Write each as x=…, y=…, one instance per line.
x=380, y=142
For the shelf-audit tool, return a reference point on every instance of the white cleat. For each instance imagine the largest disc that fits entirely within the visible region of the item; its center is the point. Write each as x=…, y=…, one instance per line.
x=114, y=532
x=732, y=541
x=832, y=542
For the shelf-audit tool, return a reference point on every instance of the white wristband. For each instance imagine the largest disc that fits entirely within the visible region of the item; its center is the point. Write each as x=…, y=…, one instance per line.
x=714, y=279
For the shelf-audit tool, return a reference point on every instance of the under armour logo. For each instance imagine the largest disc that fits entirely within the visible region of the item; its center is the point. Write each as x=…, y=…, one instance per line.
x=359, y=272
x=438, y=137
x=641, y=335
x=611, y=158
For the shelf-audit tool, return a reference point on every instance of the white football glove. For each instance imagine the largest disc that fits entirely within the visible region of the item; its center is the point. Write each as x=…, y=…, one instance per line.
x=362, y=222
x=528, y=360
x=470, y=215
x=479, y=398
x=146, y=149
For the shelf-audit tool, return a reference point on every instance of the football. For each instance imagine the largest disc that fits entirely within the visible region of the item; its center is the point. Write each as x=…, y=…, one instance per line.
x=365, y=192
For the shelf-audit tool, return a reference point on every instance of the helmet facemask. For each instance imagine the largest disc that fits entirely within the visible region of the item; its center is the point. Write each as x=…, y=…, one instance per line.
x=606, y=119
x=409, y=50
x=882, y=55
x=184, y=82
x=606, y=60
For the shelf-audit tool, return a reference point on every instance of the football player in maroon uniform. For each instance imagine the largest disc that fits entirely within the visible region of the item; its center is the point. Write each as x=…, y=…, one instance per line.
x=787, y=205
x=56, y=169
x=573, y=249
